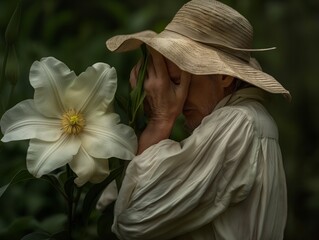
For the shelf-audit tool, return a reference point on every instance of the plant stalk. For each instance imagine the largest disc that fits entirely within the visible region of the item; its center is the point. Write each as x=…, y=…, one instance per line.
x=70, y=206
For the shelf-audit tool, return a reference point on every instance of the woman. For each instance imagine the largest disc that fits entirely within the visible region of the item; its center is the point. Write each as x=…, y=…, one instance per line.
x=225, y=181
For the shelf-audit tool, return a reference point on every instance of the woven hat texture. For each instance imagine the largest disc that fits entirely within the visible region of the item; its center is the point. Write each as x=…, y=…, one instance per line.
x=206, y=37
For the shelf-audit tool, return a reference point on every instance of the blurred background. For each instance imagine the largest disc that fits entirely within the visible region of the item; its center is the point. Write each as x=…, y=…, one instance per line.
x=75, y=33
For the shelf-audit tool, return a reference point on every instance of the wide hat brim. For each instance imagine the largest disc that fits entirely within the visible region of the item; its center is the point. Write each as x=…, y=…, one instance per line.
x=198, y=58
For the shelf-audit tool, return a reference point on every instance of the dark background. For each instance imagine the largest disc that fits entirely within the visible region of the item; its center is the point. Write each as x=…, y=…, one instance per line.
x=75, y=33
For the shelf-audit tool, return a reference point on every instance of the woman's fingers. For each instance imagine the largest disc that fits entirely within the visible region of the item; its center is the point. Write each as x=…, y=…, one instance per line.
x=134, y=73
x=164, y=97
x=158, y=63
x=157, y=78
x=183, y=86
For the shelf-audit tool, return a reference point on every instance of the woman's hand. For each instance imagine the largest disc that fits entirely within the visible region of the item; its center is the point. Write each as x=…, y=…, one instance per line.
x=164, y=101
x=165, y=97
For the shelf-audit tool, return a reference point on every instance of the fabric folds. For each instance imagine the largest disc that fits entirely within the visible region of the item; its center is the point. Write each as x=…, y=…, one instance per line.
x=225, y=181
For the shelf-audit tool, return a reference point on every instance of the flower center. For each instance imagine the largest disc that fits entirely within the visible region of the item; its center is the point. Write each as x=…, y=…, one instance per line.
x=72, y=122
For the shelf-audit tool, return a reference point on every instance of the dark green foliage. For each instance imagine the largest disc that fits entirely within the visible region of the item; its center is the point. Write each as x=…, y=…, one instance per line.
x=75, y=32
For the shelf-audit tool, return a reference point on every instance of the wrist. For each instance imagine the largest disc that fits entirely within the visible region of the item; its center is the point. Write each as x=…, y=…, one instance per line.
x=155, y=131
x=163, y=126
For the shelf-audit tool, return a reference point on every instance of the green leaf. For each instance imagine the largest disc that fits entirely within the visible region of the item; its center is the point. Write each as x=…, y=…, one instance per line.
x=37, y=236
x=63, y=235
x=69, y=187
x=54, y=223
x=19, y=177
x=137, y=95
x=54, y=180
x=122, y=102
x=19, y=227
x=12, y=30
x=94, y=193
x=12, y=69
x=2, y=78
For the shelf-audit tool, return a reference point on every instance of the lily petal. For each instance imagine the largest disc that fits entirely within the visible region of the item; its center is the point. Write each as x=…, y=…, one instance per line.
x=103, y=137
x=23, y=121
x=51, y=80
x=88, y=168
x=93, y=90
x=44, y=157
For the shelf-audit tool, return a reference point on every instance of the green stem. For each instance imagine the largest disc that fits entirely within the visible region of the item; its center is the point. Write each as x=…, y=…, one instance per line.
x=77, y=198
x=70, y=205
x=70, y=218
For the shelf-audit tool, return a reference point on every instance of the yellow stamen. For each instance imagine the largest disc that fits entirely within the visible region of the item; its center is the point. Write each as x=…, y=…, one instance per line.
x=72, y=122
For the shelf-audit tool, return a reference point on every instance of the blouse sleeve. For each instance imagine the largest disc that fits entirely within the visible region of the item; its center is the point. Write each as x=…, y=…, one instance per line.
x=173, y=188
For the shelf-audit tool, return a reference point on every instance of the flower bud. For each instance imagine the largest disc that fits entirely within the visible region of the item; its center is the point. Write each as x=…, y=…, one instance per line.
x=12, y=30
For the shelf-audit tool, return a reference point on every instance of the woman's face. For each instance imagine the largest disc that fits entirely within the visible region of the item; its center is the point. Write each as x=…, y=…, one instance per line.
x=205, y=91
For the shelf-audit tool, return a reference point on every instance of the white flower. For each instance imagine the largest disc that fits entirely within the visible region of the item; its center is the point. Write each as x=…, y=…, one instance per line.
x=70, y=121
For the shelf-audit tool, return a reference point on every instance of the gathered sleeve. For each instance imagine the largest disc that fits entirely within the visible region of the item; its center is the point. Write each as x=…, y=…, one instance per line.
x=173, y=188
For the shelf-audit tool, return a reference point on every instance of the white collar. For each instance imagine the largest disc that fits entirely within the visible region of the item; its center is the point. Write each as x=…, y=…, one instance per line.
x=232, y=99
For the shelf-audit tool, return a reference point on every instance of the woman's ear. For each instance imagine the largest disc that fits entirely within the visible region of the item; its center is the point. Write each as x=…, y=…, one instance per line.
x=227, y=81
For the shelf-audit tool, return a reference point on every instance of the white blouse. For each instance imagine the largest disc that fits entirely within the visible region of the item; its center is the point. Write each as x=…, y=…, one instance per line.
x=225, y=181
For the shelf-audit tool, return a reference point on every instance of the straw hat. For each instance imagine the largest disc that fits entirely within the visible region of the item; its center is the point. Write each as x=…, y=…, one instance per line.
x=206, y=37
